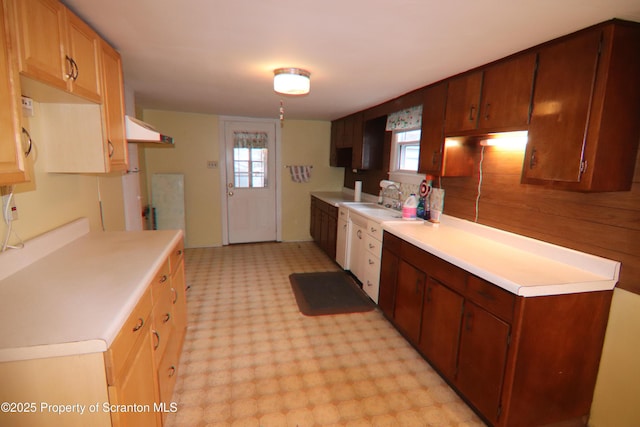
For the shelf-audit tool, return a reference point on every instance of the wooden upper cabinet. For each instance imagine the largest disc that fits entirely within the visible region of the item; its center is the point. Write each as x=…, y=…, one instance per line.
x=563, y=94
x=584, y=128
x=496, y=98
x=432, y=135
x=41, y=38
x=368, y=150
x=12, y=157
x=113, y=109
x=436, y=158
x=507, y=87
x=463, y=103
x=83, y=49
x=57, y=48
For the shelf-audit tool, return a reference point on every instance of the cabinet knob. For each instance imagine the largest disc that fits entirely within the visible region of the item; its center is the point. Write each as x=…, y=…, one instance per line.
x=175, y=296
x=163, y=278
x=472, y=111
x=172, y=371
x=167, y=317
x=486, y=111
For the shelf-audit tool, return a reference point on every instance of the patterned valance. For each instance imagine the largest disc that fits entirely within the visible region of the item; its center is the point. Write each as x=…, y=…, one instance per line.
x=250, y=139
x=410, y=118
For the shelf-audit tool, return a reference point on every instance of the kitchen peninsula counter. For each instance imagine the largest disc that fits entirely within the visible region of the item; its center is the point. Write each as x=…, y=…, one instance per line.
x=74, y=289
x=518, y=264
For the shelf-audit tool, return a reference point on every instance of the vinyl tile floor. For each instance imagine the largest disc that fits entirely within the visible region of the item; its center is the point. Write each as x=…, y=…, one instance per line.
x=250, y=358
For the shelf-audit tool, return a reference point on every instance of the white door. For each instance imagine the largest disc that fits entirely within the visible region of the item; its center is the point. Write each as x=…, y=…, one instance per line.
x=250, y=157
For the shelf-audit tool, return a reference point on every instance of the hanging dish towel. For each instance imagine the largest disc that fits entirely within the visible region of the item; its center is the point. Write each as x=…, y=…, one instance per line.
x=300, y=173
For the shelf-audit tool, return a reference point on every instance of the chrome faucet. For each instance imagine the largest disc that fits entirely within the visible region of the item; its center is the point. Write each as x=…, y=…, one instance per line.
x=398, y=203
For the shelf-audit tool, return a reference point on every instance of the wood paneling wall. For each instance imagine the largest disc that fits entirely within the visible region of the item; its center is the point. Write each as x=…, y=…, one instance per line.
x=603, y=224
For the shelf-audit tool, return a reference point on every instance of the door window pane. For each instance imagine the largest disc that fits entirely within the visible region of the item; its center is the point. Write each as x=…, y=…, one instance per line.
x=250, y=155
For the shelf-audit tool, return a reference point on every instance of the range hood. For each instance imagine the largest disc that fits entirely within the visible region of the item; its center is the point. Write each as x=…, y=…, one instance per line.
x=138, y=131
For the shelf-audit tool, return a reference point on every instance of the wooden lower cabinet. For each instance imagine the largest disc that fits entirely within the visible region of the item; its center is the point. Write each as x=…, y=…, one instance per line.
x=409, y=295
x=517, y=361
x=441, y=322
x=324, y=226
x=135, y=387
x=131, y=383
x=482, y=357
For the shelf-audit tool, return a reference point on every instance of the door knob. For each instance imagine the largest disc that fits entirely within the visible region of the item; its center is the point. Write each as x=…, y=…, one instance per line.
x=230, y=193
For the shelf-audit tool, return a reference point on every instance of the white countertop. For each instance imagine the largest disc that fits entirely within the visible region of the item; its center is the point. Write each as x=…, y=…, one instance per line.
x=75, y=299
x=518, y=264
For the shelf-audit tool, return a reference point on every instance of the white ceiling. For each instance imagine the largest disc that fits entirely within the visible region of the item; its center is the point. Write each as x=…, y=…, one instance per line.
x=218, y=57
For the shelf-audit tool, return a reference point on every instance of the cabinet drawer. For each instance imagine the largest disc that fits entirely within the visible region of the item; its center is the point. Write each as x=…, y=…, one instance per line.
x=343, y=213
x=162, y=323
x=176, y=255
x=168, y=371
x=374, y=229
x=448, y=274
x=116, y=356
x=373, y=246
x=491, y=297
x=161, y=283
x=391, y=242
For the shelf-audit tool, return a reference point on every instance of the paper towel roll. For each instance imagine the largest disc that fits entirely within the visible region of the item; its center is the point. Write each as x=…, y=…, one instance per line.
x=357, y=192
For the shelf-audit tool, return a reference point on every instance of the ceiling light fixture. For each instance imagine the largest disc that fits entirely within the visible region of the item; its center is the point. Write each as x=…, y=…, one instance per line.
x=291, y=81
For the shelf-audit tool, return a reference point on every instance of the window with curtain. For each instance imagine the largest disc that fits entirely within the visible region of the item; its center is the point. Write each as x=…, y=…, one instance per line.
x=250, y=154
x=406, y=126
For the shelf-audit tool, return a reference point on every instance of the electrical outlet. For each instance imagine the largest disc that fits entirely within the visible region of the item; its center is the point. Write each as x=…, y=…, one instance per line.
x=212, y=164
x=12, y=210
x=27, y=106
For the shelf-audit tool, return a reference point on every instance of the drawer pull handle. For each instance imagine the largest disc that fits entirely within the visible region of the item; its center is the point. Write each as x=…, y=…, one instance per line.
x=172, y=371
x=157, y=343
x=163, y=278
x=487, y=295
x=373, y=230
x=138, y=325
x=179, y=252
x=359, y=234
x=371, y=246
x=167, y=317
x=369, y=283
x=175, y=296
x=371, y=262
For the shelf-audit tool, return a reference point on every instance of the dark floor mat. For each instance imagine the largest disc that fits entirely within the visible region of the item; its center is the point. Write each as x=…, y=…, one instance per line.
x=332, y=292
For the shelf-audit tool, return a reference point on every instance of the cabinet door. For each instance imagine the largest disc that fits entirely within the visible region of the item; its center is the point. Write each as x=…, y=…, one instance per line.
x=12, y=162
x=482, y=359
x=388, y=276
x=332, y=232
x=337, y=132
x=432, y=136
x=41, y=38
x=357, y=251
x=136, y=386
x=368, y=151
x=506, y=94
x=84, y=51
x=441, y=320
x=463, y=103
x=561, y=106
x=341, y=243
x=113, y=108
x=409, y=296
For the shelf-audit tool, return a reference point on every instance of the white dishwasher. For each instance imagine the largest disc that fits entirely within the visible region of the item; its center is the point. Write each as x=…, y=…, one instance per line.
x=342, y=241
